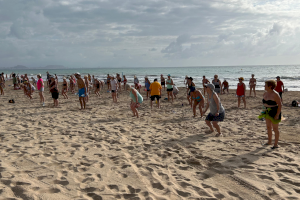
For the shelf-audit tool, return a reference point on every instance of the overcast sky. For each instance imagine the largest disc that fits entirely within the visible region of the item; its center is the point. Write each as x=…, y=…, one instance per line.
x=146, y=33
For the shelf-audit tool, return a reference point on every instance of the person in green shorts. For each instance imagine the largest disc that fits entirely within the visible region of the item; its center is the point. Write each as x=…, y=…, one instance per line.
x=272, y=111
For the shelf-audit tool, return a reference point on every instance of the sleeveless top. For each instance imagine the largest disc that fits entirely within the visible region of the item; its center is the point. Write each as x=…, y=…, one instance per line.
x=213, y=106
x=169, y=86
x=140, y=98
x=216, y=83
x=240, y=90
x=147, y=85
x=54, y=89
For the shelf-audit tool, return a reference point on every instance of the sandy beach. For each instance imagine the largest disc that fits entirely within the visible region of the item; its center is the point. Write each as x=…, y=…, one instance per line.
x=104, y=153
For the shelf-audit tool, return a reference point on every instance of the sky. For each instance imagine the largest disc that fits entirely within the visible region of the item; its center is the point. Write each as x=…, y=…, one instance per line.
x=152, y=33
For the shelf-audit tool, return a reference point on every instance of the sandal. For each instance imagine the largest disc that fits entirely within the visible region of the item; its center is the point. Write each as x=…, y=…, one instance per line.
x=275, y=147
x=219, y=135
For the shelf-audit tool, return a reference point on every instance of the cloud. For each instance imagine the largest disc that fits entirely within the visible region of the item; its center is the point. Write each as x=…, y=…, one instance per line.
x=92, y=33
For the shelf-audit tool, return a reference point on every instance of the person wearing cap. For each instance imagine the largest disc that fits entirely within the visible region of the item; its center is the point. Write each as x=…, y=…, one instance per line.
x=252, y=84
x=241, y=92
x=54, y=90
x=170, y=87
x=81, y=90
x=225, y=86
x=162, y=81
x=279, y=87
x=155, y=91
x=217, y=111
x=136, y=100
x=217, y=83
x=204, y=82
x=147, y=86
x=114, y=88
x=65, y=88
x=40, y=88
x=136, y=83
x=191, y=88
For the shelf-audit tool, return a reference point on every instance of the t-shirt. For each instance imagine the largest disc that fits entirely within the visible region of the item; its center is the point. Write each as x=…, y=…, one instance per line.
x=39, y=83
x=169, y=86
x=113, y=84
x=155, y=88
x=279, y=86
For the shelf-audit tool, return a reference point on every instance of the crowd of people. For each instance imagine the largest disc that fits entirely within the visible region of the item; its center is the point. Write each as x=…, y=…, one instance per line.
x=272, y=98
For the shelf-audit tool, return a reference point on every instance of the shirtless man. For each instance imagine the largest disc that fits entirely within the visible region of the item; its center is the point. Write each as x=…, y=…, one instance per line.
x=81, y=90
x=252, y=83
x=204, y=81
x=162, y=81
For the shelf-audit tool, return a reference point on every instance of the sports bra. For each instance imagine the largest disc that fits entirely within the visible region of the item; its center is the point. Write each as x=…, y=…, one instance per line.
x=269, y=102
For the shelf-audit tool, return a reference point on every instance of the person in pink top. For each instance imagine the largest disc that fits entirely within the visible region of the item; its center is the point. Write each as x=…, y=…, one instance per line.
x=40, y=87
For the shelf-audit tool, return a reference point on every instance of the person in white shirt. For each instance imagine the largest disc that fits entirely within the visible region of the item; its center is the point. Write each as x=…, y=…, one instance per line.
x=114, y=88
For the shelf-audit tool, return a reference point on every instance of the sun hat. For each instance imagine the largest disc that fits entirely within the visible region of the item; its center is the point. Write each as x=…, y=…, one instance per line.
x=241, y=78
x=64, y=78
x=146, y=77
x=85, y=76
x=77, y=73
x=40, y=75
x=211, y=86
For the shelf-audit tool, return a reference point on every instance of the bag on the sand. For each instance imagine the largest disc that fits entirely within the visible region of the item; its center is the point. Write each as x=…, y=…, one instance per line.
x=11, y=101
x=295, y=103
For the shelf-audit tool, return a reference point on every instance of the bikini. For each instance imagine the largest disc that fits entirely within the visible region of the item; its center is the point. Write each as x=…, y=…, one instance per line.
x=198, y=99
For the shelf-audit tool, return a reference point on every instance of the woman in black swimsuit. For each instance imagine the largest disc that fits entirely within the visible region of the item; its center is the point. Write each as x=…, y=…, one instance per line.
x=65, y=88
x=54, y=90
x=272, y=112
x=191, y=88
x=97, y=87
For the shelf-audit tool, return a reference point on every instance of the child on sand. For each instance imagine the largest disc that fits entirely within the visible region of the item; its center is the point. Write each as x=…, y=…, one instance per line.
x=241, y=92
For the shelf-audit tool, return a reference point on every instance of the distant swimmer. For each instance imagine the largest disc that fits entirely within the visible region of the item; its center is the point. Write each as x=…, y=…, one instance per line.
x=252, y=84
x=241, y=92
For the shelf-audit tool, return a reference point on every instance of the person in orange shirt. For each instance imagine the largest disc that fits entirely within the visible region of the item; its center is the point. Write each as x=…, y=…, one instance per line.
x=155, y=89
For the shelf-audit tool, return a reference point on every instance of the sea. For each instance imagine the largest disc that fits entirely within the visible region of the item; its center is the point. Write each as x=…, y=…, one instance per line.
x=289, y=74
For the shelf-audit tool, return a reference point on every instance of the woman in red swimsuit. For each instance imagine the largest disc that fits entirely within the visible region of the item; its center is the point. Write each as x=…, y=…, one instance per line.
x=241, y=92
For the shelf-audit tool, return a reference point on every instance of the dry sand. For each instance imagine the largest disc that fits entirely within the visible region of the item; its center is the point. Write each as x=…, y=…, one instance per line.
x=104, y=153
